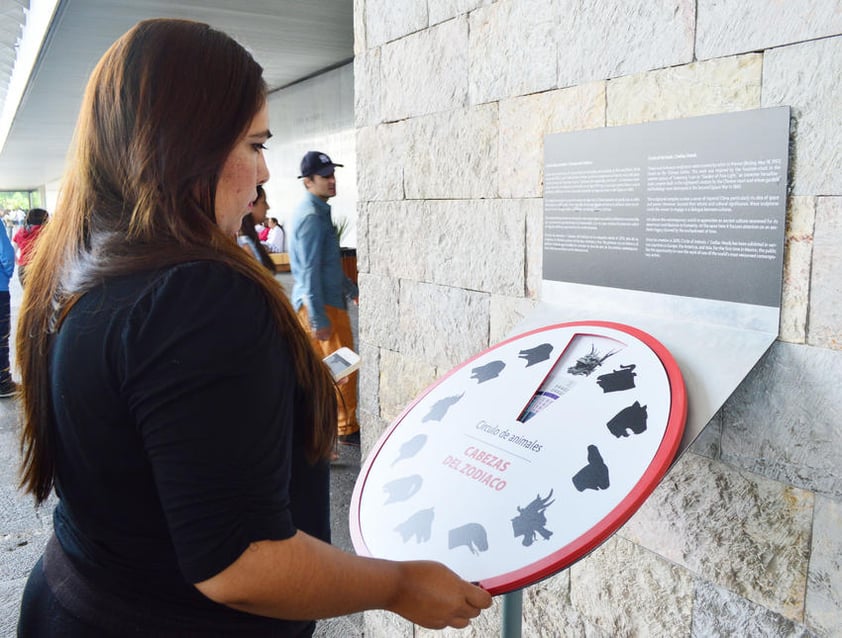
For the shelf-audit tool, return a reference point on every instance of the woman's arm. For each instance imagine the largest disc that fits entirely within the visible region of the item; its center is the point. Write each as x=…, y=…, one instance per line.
x=303, y=578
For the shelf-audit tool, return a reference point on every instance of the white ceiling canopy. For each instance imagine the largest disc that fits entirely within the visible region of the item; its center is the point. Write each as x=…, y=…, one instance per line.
x=291, y=39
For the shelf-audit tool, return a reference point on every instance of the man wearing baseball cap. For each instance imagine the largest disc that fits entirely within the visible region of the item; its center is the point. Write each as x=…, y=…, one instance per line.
x=320, y=290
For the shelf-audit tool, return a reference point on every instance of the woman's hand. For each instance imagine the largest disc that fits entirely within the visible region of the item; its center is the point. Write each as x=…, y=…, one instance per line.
x=433, y=596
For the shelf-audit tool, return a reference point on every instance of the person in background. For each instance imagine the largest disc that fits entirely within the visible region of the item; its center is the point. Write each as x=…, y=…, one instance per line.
x=320, y=287
x=247, y=236
x=8, y=388
x=182, y=509
x=25, y=238
x=276, y=239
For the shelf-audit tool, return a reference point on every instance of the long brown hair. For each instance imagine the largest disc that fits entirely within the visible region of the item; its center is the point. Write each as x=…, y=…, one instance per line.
x=162, y=110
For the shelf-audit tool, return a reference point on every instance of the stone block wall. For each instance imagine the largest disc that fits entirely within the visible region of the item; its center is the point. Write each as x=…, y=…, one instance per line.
x=452, y=101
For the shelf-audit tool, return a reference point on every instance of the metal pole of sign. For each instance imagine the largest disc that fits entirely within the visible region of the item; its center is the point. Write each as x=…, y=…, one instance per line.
x=512, y=608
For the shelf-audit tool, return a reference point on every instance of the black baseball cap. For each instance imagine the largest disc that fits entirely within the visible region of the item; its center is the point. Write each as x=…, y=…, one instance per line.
x=317, y=163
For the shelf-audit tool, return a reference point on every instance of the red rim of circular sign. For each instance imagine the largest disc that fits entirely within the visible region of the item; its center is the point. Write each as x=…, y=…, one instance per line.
x=611, y=522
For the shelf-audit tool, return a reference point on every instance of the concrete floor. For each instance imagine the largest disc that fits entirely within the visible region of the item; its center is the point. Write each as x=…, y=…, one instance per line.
x=24, y=530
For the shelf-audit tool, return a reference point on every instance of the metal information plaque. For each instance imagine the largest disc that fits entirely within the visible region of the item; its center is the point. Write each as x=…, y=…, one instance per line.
x=693, y=207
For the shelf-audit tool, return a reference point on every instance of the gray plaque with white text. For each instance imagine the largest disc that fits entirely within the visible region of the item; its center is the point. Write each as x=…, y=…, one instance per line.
x=693, y=207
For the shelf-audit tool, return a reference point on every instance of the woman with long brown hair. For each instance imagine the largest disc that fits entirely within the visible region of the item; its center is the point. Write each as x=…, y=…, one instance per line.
x=182, y=510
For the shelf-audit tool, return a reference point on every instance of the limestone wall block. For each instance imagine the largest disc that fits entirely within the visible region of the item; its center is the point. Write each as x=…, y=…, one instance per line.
x=548, y=612
x=798, y=253
x=367, y=88
x=441, y=10
x=506, y=313
x=378, y=311
x=701, y=88
x=824, y=587
x=452, y=155
x=487, y=624
x=380, y=175
x=476, y=244
x=402, y=378
x=398, y=238
x=600, y=40
x=741, y=531
x=719, y=612
x=524, y=121
x=360, y=40
x=625, y=590
x=806, y=77
x=534, y=248
x=384, y=624
x=725, y=27
x=425, y=72
x=368, y=400
x=708, y=442
x=784, y=421
x=442, y=326
x=826, y=280
x=512, y=49
x=387, y=20
x=362, y=237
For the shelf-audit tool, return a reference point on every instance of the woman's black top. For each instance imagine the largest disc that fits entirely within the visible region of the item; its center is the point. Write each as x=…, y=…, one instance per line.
x=178, y=445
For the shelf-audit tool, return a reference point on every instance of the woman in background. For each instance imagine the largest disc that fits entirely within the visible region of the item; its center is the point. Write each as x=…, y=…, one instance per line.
x=247, y=236
x=25, y=238
x=183, y=510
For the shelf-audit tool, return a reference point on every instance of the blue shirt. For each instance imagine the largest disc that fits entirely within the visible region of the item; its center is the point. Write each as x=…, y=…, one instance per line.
x=316, y=262
x=7, y=260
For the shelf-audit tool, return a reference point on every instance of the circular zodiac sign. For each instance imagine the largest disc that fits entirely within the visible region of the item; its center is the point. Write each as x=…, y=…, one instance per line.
x=523, y=459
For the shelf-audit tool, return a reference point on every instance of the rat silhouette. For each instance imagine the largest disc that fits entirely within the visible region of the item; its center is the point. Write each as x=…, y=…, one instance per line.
x=594, y=476
x=536, y=354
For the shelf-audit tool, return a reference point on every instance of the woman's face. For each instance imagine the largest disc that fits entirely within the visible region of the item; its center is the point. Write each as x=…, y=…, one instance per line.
x=243, y=170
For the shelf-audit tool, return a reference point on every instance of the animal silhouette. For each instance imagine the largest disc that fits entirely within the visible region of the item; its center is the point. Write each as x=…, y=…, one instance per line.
x=419, y=525
x=622, y=379
x=588, y=363
x=411, y=447
x=440, y=408
x=402, y=489
x=531, y=520
x=536, y=354
x=488, y=371
x=594, y=475
x=631, y=418
x=473, y=536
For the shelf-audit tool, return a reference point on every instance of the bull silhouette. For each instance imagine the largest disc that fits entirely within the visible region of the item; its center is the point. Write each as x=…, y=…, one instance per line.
x=472, y=536
x=531, y=521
